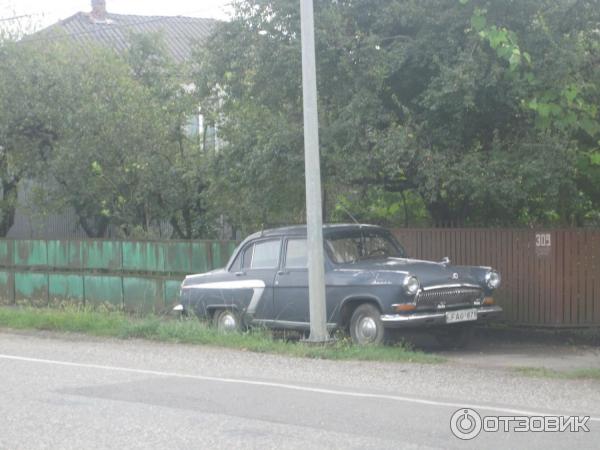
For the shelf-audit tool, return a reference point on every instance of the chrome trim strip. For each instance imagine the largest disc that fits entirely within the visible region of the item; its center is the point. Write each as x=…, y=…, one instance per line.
x=235, y=284
x=489, y=309
x=451, y=286
x=411, y=317
x=257, y=286
x=400, y=318
x=256, y=296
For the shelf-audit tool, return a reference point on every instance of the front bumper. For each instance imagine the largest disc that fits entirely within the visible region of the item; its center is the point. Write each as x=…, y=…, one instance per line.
x=434, y=318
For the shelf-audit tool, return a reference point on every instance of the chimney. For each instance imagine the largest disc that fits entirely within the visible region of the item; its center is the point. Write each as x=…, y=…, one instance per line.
x=99, y=10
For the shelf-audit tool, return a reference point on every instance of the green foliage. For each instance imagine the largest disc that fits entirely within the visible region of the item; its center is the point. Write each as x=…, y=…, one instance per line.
x=376, y=205
x=481, y=110
x=502, y=40
x=192, y=331
x=103, y=135
x=468, y=111
x=575, y=374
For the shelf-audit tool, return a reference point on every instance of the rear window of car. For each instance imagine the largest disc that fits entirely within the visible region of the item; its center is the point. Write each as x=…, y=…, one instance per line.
x=296, y=254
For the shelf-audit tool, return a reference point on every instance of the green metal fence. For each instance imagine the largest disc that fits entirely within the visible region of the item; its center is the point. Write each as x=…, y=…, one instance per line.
x=140, y=276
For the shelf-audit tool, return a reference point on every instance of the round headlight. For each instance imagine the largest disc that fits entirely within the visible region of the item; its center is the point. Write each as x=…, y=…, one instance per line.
x=411, y=285
x=492, y=280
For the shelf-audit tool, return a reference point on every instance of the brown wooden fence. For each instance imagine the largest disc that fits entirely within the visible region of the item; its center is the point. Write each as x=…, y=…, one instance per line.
x=549, y=278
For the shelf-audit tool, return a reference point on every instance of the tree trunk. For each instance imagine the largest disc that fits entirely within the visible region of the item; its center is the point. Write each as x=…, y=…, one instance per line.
x=405, y=209
x=9, y=200
x=96, y=229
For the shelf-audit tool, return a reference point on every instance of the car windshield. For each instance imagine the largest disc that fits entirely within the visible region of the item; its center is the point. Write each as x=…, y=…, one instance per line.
x=358, y=245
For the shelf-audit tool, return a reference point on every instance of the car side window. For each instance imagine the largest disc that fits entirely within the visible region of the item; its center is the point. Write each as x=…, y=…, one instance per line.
x=296, y=254
x=344, y=249
x=265, y=255
x=248, y=253
x=237, y=263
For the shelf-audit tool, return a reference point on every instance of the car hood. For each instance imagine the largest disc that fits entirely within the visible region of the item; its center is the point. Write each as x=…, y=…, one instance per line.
x=429, y=273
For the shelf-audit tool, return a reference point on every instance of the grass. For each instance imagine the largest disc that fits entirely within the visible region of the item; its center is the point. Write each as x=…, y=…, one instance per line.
x=576, y=374
x=193, y=331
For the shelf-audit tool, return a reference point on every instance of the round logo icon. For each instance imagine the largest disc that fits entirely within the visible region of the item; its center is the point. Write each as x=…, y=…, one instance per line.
x=465, y=424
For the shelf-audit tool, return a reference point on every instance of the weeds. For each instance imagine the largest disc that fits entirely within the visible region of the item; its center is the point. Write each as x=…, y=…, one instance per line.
x=193, y=331
x=576, y=374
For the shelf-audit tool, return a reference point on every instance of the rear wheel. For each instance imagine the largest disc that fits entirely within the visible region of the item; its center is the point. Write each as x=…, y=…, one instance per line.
x=226, y=321
x=366, y=327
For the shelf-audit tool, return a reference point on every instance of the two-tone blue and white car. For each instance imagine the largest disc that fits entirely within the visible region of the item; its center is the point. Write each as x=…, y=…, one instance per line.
x=371, y=287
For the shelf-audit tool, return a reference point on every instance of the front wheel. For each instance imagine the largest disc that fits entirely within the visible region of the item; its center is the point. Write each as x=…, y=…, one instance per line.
x=366, y=327
x=226, y=321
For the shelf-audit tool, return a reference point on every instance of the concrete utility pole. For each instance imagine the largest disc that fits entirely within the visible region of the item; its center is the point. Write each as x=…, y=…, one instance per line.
x=314, y=218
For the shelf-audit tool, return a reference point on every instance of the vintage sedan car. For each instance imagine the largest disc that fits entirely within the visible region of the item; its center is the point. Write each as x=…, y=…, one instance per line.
x=372, y=287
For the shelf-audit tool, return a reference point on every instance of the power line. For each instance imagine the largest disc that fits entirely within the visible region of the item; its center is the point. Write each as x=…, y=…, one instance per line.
x=23, y=16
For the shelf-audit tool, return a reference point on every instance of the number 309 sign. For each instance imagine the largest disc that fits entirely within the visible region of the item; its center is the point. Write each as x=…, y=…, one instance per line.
x=543, y=244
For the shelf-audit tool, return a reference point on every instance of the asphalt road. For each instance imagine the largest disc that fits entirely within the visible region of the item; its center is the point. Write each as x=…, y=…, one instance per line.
x=74, y=392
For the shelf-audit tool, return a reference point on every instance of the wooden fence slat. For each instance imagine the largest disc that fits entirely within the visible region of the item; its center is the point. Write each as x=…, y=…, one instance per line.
x=536, y=274
x=514, y=270
x=567, y=258
x=596, y=277
x=589, y=270
x=552, y=281
x=580, y=297
x=560, y=276
x=574, y=279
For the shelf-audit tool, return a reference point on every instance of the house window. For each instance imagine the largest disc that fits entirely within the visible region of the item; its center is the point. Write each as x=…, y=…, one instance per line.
x=193, y=126
x=210, y=137
x=197, y=128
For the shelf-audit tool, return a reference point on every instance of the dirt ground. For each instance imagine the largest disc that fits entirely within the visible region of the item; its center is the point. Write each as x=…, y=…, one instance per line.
x=509, y=349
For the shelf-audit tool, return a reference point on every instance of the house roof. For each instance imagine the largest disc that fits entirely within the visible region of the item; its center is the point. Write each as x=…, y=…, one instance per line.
x=179, y=33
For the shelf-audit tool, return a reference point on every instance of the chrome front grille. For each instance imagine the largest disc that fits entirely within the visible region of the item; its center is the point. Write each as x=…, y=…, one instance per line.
x=449, y=296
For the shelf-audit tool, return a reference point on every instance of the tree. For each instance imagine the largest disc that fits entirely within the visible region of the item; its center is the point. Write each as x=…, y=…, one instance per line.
x=178, y=182
x=103, y=135
x=27, y=126
x=441, y=101
x=25, y=130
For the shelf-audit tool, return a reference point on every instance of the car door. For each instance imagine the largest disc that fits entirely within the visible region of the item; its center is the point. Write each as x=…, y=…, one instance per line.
x=259, y=265
x=291, y=305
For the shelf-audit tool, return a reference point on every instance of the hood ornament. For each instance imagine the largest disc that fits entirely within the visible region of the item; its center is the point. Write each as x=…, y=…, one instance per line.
x=455, y=276
x=445, y=260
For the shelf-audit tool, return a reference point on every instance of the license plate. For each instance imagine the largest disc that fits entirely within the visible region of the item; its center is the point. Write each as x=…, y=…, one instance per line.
x=463, y=315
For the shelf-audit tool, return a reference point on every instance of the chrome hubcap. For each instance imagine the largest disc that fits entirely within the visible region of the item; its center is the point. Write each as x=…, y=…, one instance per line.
x=227, y=322
x=366, y=329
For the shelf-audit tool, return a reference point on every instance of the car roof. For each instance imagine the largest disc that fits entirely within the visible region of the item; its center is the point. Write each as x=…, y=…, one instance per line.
x=300, y=230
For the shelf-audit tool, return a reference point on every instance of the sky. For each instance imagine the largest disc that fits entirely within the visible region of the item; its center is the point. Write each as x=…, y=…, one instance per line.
x=41, y=13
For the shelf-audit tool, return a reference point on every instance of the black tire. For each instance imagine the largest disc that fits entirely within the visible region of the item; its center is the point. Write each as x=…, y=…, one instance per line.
x=454, y=336
x=366, y=327
x=227, y=321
